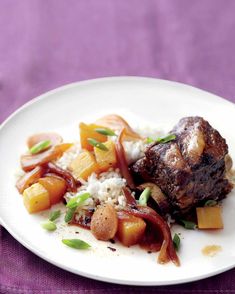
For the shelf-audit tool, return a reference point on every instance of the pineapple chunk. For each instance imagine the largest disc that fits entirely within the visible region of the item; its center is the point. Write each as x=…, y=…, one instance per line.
x=88, y=131
x=36, y=198
x=55, y=186
x=130, y=229
x=209, y=217
x=106, y=159
x=84, y=165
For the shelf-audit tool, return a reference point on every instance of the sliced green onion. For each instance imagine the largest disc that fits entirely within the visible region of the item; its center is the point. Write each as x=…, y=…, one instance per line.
x=76, y=243
x=78, y=200
x=161, y=140
x=149, y=140
x=166, y=139
x=40, y=147
x=210, y=203
x=49, y=226
x=97, y=144
x=69, y=214
x=176, y=242
x=105, y=131
x=54, y=215
x=144, y=196
x=188, y=225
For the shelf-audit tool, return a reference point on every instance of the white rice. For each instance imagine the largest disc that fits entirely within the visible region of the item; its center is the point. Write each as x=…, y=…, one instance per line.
x=134, y=150
x=69, y=156
x=107, y=187
x=152, y=132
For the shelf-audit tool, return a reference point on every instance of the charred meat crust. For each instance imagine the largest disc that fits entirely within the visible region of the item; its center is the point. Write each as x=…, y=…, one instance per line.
x=189, y=169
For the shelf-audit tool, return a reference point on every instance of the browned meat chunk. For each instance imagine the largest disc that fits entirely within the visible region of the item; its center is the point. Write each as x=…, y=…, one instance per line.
x=189, y=169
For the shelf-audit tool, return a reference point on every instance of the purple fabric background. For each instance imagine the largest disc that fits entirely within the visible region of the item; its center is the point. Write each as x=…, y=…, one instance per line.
x=46, y=44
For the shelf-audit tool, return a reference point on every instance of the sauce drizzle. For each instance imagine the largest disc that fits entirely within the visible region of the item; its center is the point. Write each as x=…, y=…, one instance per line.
x=211, y=250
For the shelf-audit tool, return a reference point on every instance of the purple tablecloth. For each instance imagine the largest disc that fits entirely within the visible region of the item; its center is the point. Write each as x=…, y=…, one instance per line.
x=46, y=44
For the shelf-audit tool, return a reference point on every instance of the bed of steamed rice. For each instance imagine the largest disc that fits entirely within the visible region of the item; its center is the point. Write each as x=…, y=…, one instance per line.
x=106, y=188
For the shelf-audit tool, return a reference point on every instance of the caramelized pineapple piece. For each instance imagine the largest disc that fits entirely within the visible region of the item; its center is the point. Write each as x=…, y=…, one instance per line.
x=88, y=131
x=209, y=217
x=84, y=165
x=106, y=159
x=36, y=198
x=130, y=229
x=56, y=187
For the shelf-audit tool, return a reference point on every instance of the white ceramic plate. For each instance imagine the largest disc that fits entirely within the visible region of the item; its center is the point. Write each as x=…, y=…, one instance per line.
x=138, y=100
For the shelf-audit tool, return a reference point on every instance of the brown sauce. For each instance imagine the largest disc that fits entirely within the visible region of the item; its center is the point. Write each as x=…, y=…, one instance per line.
x=211, y=250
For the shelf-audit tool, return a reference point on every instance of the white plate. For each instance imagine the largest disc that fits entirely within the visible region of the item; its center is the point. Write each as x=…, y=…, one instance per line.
x=138, y=100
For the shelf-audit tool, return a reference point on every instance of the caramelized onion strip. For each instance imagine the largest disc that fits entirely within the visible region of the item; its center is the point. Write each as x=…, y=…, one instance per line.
x=117, y=123
x=30, y=161
x=72, y=184
x=130, y=200
x=167, y=251
x=29, y=178
x=54, y=138
x=122, y=162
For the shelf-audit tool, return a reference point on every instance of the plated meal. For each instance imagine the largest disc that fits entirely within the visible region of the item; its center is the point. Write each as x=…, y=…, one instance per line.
x=129, y=185
x=47, y=234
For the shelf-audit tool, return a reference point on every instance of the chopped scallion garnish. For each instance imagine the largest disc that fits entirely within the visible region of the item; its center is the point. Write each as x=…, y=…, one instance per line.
x=97, y=144
x=149, y=140
x=176, y=241
x=49, y=226
x=161, y=140
x=144, y=196
x=210, y=203
x=166, y=139
x=43, y=145
x=73, y=204
x=105, y=131
x=188, y=224
x=69, y=214
x=78, y=200
x=54, y=215
x=76, y=243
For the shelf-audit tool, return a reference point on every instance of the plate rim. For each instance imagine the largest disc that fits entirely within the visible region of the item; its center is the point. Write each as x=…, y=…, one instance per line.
x=85, y=274
x=107, y=79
